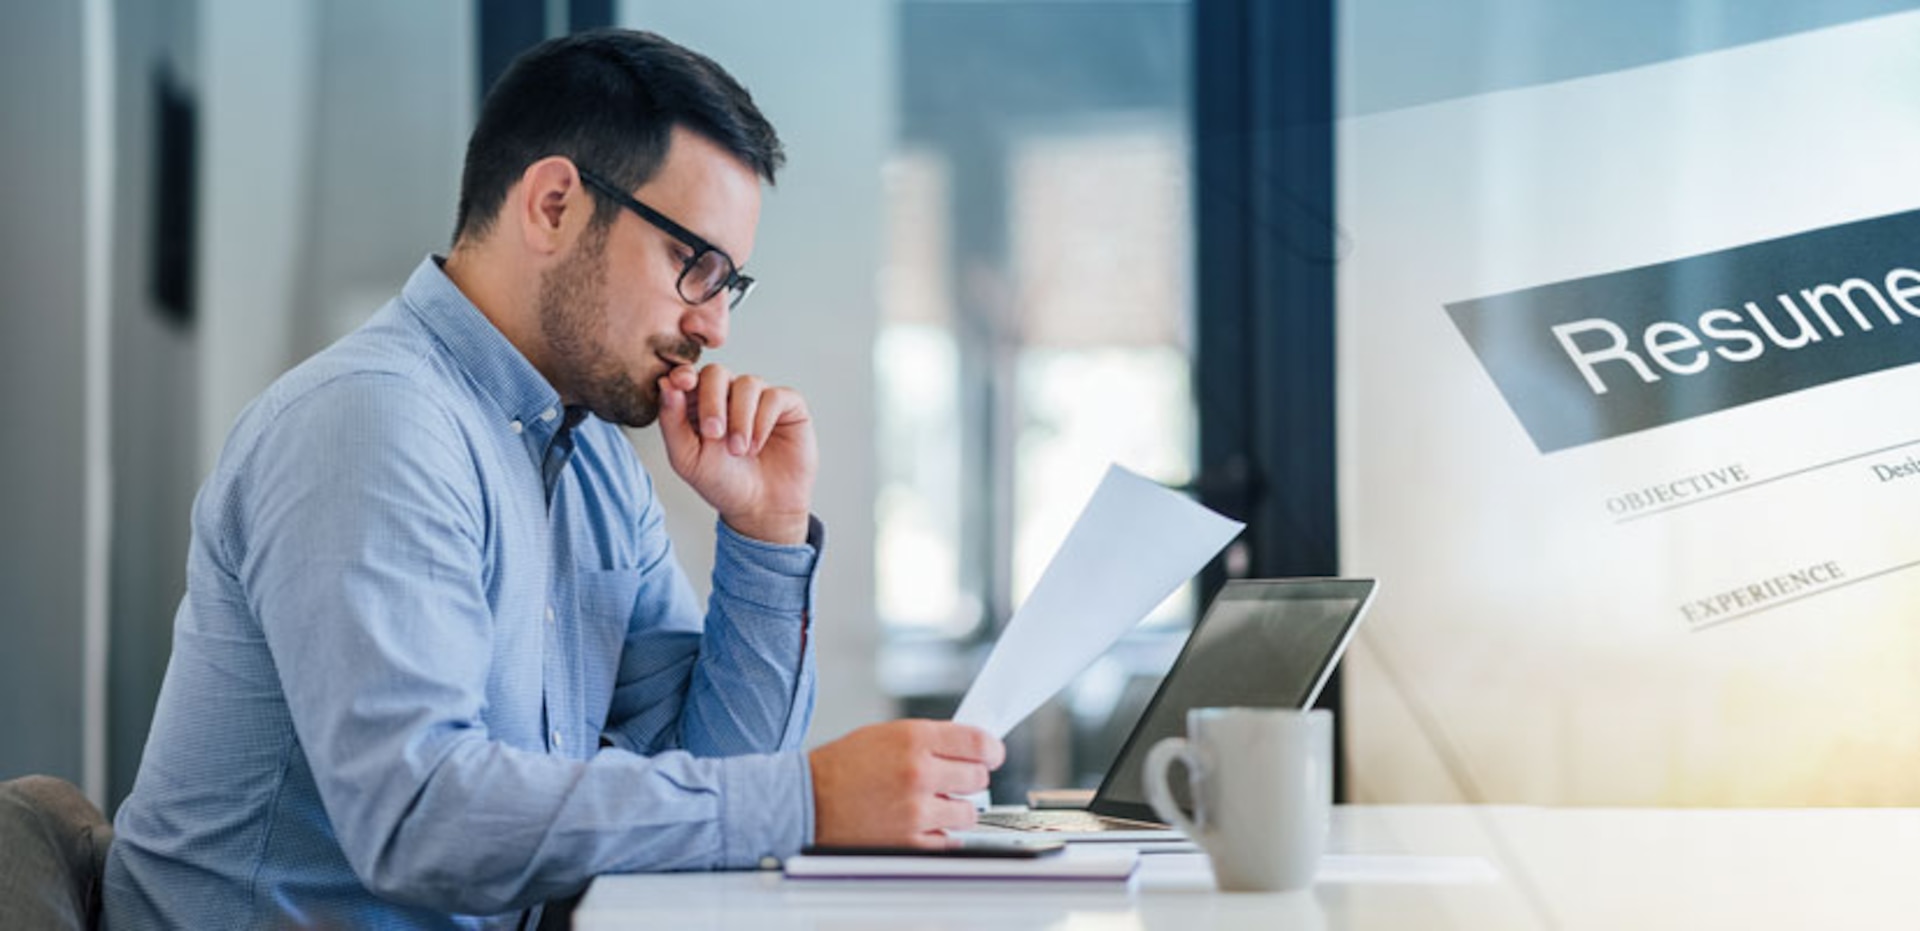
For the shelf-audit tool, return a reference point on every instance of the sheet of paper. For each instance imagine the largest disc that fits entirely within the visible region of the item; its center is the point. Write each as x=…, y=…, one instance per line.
x=1132, y=545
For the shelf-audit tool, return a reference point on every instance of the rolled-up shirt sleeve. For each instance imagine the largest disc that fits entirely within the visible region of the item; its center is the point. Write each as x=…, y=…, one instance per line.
x=364, y=561
x=742, y=681
x=758, y=630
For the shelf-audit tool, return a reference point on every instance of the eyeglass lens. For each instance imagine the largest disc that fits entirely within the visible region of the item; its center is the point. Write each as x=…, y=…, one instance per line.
x=708, y=274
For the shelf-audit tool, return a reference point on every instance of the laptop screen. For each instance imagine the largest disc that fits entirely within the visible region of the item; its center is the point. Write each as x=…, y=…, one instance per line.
x=1262, y=644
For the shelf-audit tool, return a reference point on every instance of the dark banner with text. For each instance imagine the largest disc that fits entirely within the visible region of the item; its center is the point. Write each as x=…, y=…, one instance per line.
x=1599, y=357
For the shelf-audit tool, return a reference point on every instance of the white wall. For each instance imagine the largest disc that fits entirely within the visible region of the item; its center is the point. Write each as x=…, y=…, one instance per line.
x=394, y=102
x=256, y=151
x=824, y=74
x=53, y=69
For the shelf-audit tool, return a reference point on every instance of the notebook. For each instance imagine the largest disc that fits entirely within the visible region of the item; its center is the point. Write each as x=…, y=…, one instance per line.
x=1075, y=863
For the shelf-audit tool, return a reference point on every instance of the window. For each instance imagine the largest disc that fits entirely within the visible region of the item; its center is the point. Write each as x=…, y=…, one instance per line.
x=1035, y=325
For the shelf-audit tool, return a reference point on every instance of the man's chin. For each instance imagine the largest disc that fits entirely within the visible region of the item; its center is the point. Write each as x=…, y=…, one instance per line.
x=629, y=408
x=637, y=418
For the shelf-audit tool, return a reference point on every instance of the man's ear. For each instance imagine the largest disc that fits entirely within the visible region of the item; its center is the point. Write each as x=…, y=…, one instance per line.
x=551, y=206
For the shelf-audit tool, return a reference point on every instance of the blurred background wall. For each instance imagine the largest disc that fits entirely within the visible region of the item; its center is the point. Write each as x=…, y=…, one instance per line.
x=50, y=376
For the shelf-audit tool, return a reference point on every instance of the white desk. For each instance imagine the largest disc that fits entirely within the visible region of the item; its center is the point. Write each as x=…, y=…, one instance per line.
x=1425, y=867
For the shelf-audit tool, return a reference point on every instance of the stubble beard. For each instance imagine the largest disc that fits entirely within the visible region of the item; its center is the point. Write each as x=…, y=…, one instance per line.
x=573, y=320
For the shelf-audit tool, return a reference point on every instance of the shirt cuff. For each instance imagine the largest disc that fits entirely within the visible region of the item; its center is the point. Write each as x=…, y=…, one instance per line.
x=775, y=576
x=768, y=808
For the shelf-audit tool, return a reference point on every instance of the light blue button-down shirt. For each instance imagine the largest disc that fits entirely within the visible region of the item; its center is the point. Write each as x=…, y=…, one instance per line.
x=422, y=600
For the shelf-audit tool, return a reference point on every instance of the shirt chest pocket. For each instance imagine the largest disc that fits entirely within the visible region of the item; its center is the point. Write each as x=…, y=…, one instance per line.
x=605, y=600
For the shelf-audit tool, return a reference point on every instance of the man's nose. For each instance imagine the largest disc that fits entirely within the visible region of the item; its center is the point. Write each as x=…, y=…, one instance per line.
x=706, y=322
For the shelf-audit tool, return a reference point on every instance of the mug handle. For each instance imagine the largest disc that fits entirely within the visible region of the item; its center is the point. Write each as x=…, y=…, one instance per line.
x=1153, y=777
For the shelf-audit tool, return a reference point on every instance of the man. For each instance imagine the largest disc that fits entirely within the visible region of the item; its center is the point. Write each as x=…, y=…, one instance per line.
x=436, y=659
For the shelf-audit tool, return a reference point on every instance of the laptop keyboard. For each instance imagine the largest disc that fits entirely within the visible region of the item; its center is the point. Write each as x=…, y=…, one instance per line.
x=1059, y=820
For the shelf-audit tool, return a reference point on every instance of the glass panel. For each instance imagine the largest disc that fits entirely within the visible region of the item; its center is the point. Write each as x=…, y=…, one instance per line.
x=1080, y=410
x=1688, y=587
x=917, y=404
x=1034, y=328
x=1038, y=258
x=1101, y=246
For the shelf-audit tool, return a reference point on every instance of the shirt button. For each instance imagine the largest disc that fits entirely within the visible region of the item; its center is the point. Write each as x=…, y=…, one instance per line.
x=769, y=862
x=549, y=414
x=515, y=426
x=557, y=742
x=550, y=615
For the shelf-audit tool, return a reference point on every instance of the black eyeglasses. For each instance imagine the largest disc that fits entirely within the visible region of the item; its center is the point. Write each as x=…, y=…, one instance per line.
x=707, y=272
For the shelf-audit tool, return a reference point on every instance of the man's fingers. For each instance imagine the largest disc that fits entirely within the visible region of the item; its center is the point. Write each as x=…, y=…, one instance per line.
x=776, y=406
x=935, y=814
x=712, y=398
x=966, y=743
x=743, y=411
x=743, y=402
x=675, y=429
x=942, y=776
x=684, y=377
x=896, y=783
x=952, y=814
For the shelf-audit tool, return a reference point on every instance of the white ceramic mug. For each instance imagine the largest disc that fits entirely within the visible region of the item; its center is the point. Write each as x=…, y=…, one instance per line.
x=1262, y=781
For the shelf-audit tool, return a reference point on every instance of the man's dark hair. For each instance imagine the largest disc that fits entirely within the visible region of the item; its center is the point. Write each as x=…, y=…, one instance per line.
x=607, y=100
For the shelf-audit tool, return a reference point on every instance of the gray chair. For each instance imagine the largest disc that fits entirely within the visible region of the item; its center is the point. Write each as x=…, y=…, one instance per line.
x=53, y=855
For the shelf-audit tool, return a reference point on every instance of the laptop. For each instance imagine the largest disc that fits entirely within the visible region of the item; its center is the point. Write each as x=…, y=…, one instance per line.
x=1263, y=643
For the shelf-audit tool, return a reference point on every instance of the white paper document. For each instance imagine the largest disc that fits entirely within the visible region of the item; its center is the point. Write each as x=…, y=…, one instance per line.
x=1132, y=545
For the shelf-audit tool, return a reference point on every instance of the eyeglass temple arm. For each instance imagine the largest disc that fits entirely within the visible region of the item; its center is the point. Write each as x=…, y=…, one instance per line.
x=653, y=216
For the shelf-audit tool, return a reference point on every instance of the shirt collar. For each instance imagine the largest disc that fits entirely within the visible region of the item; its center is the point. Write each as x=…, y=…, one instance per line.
x=498, y=369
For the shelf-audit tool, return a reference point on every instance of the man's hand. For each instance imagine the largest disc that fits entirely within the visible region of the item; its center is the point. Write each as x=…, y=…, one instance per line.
x=888, y=784
x=746, y=448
